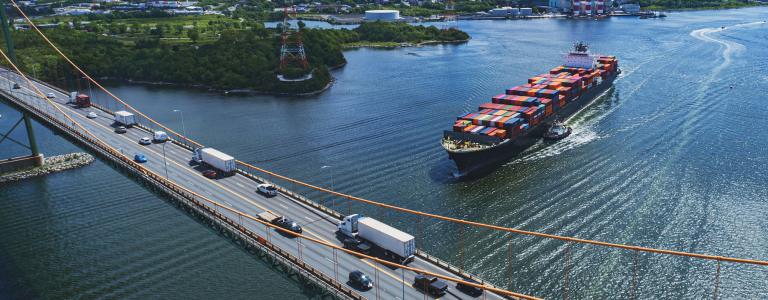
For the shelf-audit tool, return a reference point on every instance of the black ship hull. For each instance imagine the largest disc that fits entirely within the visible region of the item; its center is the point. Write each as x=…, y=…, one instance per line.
x=476, y=162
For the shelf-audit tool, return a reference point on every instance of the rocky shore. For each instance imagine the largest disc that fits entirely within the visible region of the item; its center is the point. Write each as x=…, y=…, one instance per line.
x=52, y=164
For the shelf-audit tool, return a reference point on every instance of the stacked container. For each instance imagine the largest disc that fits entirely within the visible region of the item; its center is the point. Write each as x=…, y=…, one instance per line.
x=522, y=107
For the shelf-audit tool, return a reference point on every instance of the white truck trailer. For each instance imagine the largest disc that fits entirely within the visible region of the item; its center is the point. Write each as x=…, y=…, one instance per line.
x=216, y=159
x=125, y=118
x=396, y=245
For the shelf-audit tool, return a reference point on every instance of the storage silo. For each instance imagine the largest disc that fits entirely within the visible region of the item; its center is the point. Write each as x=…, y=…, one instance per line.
x=382, y=15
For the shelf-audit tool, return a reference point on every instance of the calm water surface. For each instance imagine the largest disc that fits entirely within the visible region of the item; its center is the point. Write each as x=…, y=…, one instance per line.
x=672, y=157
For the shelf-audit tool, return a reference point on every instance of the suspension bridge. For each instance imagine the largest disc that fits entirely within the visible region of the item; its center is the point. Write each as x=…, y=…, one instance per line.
x=231, y=204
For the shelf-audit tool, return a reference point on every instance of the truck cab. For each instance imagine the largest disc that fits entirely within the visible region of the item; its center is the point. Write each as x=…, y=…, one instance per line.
x=83, y=101
x=430, y=284
x=80, y=100
x=196, y=156
x=348, y=226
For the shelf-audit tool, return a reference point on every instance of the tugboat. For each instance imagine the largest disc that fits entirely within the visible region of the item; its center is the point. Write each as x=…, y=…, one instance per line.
x=557, y=131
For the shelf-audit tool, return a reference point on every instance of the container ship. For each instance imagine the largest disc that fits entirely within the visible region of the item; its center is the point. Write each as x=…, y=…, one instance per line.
x=517, y=119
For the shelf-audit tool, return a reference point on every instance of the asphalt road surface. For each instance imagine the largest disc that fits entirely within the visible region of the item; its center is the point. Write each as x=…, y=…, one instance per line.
x=239, y=192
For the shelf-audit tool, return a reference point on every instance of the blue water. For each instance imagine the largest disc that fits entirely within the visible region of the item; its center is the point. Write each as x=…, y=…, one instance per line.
x=672, y=157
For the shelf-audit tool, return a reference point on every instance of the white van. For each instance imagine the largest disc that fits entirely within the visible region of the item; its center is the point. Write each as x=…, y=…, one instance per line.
x=160, y=137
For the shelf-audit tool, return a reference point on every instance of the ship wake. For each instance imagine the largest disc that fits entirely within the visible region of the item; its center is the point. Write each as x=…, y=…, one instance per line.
x=730, y=48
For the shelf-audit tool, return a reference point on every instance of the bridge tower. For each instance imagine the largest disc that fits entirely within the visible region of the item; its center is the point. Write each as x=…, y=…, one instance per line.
x=292, y=49
x=450, y=18
x=36, y=157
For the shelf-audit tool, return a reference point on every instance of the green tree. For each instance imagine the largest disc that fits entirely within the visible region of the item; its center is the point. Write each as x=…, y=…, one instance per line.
x=193, y=35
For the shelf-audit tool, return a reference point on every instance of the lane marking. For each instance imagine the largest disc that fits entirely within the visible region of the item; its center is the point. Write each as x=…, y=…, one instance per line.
x=363, y=260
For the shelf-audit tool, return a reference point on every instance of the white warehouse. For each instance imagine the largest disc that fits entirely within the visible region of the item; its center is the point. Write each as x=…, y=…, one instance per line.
x=504, y=12
x=382, y=15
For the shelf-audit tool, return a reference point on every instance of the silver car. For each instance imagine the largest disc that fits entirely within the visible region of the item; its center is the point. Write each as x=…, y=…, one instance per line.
x=267, y=190
x=91, y=115
x=50, y=95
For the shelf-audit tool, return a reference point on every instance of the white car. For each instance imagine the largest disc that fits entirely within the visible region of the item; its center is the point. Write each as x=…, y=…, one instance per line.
x=91, y=115
x=50, y=95
x=267, y=190
x=145, y=141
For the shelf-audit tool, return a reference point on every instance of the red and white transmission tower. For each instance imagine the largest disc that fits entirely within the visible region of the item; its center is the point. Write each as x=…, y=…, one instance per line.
x=450, y=19
x=292, y=49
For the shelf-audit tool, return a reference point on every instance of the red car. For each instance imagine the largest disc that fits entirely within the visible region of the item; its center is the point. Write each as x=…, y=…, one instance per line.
x=210, y=174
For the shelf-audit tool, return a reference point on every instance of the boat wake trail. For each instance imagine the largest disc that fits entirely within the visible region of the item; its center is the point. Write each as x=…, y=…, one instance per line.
x=581, y=135
x=730, y=48
x=583, y=124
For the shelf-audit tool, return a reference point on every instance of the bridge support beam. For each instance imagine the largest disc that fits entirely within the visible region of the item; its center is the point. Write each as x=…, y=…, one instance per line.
x=38, y=158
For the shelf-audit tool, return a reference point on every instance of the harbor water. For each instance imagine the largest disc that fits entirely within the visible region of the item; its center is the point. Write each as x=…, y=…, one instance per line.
x=672, y=157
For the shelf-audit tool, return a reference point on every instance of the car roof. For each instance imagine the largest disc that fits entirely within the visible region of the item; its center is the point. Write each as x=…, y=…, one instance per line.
x=439, y=283
x=356, y=272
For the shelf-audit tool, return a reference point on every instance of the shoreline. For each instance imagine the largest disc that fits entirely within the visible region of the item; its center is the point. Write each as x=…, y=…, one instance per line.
x=51, y=165
x=243, y=91
x=401, y=45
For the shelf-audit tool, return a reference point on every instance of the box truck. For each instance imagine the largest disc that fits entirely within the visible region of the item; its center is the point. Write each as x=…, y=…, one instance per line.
x=392, y=243
x=215, y=159
x=125, y=118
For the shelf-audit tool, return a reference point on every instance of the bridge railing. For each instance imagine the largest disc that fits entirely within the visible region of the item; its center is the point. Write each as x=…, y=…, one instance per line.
x=194, y=201
x=567, y=240
x=177, y=139
x=90, y=140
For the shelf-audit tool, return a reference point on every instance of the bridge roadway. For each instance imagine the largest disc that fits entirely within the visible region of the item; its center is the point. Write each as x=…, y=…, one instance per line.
x=239, y=193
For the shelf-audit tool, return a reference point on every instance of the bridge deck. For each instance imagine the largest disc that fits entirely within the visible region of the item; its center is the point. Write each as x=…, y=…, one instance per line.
x=238, y=191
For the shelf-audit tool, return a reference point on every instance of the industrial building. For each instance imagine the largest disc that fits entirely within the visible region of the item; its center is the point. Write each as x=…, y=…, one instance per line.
x=590, y=7
x=630, y=8
x=504, y=12
x=382, y=15
x=581, y=7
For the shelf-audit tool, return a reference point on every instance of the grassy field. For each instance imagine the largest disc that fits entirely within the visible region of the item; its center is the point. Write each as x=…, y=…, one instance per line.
x=173, y=30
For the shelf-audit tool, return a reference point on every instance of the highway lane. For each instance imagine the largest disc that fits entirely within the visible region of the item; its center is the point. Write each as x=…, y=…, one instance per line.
x=239, y=192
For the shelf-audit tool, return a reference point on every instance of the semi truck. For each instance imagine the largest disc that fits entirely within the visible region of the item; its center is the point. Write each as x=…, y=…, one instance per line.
x=80, y=100
x=125, y=118
x=215, y=159
x=389, y=242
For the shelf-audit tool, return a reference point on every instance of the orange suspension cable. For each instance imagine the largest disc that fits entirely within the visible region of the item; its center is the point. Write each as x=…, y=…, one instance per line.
x=114, y=151
x=401, y=209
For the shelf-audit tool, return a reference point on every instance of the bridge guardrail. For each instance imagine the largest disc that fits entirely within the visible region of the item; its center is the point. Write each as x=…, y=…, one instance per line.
x=242, y=170
x=172, y=189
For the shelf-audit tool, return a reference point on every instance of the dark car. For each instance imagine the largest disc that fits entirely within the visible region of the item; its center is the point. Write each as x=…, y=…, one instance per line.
x=357, y=245
x=288, y=224
x=16, y=86
x=468, y=289
x=430, y=285
x=358, y=279
x=210, y=174
x=121, y=129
